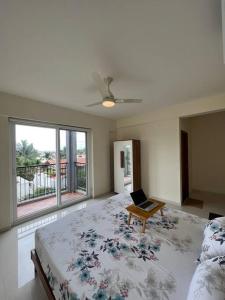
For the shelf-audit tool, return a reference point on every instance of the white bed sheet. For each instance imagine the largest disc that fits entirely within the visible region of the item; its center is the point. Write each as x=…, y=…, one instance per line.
x=93, y=254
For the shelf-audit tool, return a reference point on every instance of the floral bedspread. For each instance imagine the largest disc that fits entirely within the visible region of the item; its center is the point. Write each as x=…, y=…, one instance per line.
x=94, y=254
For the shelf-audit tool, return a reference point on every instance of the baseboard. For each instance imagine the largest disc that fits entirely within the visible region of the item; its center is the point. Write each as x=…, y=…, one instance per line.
x=200, y=195
x=166, y=201
x=4, y=229
x=107, y=195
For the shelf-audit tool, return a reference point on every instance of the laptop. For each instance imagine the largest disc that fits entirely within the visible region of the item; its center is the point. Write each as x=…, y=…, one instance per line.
x=141, y=201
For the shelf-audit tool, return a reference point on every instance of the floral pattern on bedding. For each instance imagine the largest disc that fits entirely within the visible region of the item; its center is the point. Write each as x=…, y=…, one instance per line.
x=219, y=235
x=51, y=278
x=214, y=240
x=95, y=254
x=157, y=221
x=90, y=237
x=208, y=280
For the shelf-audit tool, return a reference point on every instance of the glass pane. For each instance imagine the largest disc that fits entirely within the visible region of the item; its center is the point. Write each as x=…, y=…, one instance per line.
x=35, y=169
x=127, y=169
x=64, y=160
x=73, y=169
x=80, y=161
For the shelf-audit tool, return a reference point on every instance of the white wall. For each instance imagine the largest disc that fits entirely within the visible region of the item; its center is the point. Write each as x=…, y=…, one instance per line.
x=17, y=107
x=207, y=153
x=159, y=132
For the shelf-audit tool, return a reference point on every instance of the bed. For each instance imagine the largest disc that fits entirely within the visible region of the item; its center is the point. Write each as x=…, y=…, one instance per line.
x=93, y=254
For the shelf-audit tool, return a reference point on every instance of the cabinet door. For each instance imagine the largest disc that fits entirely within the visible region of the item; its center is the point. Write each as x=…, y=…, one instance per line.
x=123, y=166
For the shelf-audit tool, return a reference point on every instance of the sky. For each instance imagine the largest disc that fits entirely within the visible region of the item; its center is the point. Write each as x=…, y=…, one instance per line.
x=44, y=139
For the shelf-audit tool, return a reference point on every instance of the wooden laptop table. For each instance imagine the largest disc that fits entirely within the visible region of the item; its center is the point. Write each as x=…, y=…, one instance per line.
x=142, y=214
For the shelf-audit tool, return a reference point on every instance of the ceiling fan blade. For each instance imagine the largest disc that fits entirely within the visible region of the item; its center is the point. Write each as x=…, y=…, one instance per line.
x=100, y=83
x=124, y=101
x=94, y=104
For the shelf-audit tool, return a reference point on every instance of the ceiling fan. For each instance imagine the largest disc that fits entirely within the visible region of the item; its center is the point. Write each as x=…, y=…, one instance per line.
x=108, y=99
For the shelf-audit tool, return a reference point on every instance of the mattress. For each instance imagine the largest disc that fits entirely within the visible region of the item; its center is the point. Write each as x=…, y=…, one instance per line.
x=93, y=254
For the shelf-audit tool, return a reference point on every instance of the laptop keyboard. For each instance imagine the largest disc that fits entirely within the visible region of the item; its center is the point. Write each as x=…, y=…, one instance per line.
x=144, y=205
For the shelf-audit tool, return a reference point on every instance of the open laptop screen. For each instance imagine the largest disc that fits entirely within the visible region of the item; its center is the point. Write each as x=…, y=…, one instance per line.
x=138, y=197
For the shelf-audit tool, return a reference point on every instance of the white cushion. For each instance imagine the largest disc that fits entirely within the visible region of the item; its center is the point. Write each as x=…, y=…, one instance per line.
x=208, y=282
x=214, y=239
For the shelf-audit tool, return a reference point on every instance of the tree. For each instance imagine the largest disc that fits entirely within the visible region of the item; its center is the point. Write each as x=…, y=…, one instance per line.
x=81, y=151
x=47, y=155
x=63, y=153
x=26, y=155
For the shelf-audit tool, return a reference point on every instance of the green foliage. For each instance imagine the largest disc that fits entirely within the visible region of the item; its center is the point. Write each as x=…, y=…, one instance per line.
x=47, y=155
x=81, y=178
x=81, y=183
x=63, y=153
x=26, y=155
x=43, y=191
x=81, y=151
x=51, y=172
x=26, y=173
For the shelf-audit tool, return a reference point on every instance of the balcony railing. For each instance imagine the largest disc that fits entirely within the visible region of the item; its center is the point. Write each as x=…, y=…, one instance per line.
x=40, y=181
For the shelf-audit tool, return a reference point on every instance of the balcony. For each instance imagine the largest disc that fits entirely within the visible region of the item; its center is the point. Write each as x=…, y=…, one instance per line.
x=37, y=184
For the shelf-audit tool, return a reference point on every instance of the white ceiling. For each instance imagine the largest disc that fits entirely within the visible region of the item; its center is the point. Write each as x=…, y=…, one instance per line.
x=162, y=51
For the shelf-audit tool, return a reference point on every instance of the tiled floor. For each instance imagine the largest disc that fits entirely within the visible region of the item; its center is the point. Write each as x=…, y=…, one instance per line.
x=211, y=203
x=16, y=269
x=17, y=279
x=33, y=207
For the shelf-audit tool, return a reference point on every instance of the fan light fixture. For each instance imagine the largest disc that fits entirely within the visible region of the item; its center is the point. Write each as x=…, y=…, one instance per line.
x=108, y=99
x=107, y=102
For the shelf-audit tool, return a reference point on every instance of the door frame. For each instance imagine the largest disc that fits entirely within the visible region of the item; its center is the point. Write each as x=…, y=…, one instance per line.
x=13, y=197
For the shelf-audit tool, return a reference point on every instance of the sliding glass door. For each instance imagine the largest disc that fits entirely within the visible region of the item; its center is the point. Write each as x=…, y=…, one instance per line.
x=50, y=166
x=73, y=165
x=35, y=159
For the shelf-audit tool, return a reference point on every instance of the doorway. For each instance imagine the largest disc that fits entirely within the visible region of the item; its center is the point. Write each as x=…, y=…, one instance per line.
x=184, y=166
x=50, y=167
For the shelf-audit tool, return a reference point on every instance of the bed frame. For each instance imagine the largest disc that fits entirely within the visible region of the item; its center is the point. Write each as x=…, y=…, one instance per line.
x=40, y=273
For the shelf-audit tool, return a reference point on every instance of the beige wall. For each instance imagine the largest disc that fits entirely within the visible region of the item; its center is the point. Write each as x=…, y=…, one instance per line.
x=190, y=108
x=159, y=132
x=17, y=107
x=159, y=157
x=207, y=153
x=5, y=208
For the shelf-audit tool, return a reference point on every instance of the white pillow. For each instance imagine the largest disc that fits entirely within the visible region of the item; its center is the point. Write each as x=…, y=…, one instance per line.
x=214, y=240
x=208, y=282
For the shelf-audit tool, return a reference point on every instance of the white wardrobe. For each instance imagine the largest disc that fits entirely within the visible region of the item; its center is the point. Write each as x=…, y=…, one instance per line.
x=127, y=166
